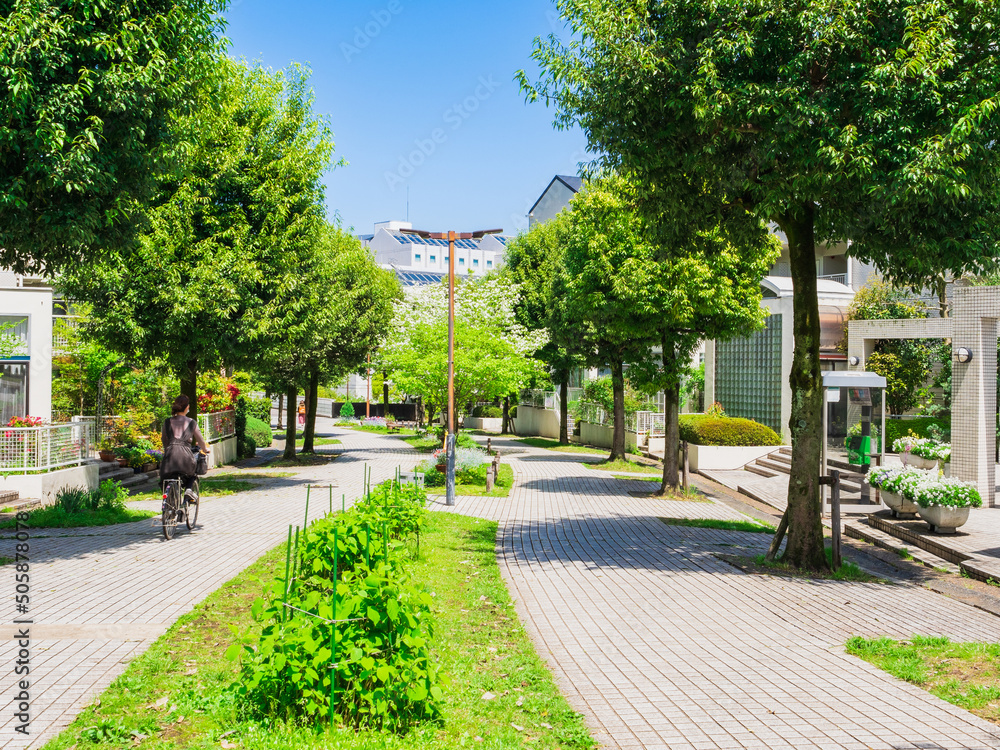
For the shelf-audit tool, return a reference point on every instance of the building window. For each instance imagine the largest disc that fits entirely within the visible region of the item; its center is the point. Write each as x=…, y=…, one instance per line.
x=433, y=259
x=475, y=262
x=13, y=390
x=461, y=261
x=489, y=264
x=446, y=259
x=416, y=257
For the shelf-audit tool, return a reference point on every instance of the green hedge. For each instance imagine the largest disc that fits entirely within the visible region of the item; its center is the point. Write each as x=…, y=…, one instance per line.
x=487, y=412
x=259, y=408
x=259, y=431
x=897, y=428
x=706, y=429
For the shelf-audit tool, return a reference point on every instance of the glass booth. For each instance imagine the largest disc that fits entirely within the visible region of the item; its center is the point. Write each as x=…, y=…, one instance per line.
x=853, y=427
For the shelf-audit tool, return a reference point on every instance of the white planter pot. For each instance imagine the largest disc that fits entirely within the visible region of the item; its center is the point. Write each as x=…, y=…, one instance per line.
x=917, y=462
x=943, y=519
x=897, y=503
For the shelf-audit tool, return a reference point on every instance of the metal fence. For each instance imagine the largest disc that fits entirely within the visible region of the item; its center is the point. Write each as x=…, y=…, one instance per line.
x=217, y=425
x=648, y=423
x=588, y=411
x=538, y=399
x=46, y=448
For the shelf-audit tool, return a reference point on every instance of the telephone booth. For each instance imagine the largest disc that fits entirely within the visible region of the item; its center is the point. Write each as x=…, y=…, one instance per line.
x=853, y=436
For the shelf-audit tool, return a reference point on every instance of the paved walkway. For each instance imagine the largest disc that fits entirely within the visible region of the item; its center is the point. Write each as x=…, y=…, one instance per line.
x=657, y=641
x=663, y=645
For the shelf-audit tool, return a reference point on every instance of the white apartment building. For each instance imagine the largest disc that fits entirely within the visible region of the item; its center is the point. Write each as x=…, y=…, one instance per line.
x=419, y=260
x=26, y=373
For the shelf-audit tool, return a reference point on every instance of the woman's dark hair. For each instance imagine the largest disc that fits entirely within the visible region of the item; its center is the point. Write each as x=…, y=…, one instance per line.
x=180, y=404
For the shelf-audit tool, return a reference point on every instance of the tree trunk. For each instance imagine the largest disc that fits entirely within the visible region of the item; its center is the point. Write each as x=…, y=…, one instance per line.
x=189, y=385
x=385, y=394
x=942, y=295
x=805, y=548
x=281, y=403
x=564, y=409
x=672, y=436
x=504, y=426
x=618, y=392
x=292, y=393
x=312, y=403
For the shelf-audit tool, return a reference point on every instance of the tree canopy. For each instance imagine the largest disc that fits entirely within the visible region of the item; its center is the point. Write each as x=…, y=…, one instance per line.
x=873, y=122
x=493, y=350
x=224, y=236
x=88, y=95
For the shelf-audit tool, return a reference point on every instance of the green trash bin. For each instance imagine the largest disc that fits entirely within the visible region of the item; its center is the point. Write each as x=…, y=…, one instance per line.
x=859, y=450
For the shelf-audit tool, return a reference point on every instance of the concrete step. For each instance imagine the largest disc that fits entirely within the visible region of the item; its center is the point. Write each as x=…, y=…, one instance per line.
x=107, y=467
x=118, y=475
x=781, y=458
x=777, y=466
x=137, y=479
x=760, y=470
x=784, y=450
x=862, y=530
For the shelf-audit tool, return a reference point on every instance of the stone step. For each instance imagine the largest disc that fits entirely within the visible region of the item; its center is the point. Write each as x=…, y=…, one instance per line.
x=781, y=458
x=137, y=479
x=8, y=497
x=118, y=475
x=11, y=508
x=107, y=467
x=760, y=470
x=784, y=450
x=862, y=530
x=776, y=466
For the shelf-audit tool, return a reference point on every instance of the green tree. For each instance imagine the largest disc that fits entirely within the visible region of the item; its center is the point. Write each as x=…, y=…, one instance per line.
x=324, y=325
x=493, y=351
x=905, y=363
x=533, y=260
x=866, y=121
x=625, y=288
x=88, y=92
x=224, y=238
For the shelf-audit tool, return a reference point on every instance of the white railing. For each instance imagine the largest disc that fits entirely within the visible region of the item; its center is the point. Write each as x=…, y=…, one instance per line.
x=217, y=425
x=61, y=325
x=590, y=412
x=537, y=398
x=648, y=423
x=46, y=448
x=840, y=278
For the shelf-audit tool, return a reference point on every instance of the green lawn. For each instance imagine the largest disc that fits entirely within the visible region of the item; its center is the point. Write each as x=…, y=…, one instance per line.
x=301, y=459
x=317, y=441
x=627, y=465
x=505, y=481
x=429, y=443
x=555, y=445
x=54, y=517
x=966, y=674
x=498, y=694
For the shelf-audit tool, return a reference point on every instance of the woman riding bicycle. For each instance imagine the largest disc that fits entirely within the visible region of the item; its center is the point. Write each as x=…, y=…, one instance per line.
x=178, y=459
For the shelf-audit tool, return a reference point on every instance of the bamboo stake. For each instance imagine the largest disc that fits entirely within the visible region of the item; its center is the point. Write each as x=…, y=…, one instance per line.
x=288, y=559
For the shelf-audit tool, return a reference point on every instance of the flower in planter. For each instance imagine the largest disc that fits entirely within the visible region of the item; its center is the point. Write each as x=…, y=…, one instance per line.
x=887, y=477
x=25, y=422
x=909, y=482
x=932, y=450
x=947, y=491
x=906, y=443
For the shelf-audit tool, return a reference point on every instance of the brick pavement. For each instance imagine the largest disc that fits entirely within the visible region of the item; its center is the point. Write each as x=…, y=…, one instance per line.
x=662, y=645
x=658, y=642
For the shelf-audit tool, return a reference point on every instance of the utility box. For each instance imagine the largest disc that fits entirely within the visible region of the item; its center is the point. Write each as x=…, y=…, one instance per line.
x=859, y=450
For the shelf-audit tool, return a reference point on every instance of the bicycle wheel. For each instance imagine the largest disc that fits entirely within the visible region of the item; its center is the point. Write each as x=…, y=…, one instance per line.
x=169, y=512
x=191, y=517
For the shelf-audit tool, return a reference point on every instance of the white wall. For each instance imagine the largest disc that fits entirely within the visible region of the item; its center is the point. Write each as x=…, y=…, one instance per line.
x=36, y=304
x=541, y=422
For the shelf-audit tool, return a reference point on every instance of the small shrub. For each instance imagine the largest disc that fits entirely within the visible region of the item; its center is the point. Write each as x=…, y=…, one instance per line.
x=488, y=411
x=246, y=447
x=706, y=429
x=920, y=427
x=347, y=410
x=259, y=408
x=108, y=496
x=260, y=432
x=73, y=500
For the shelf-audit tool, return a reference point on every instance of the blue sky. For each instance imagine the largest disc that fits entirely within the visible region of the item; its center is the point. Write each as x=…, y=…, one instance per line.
x=421, y=95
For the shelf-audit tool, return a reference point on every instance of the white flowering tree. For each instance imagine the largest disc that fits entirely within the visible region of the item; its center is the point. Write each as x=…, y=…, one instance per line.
x=493, y=351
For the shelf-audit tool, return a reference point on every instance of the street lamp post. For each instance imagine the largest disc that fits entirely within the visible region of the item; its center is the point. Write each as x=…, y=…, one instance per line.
x=451, y=424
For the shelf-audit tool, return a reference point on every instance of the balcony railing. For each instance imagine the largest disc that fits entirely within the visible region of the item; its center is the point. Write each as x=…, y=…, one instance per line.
x=27, y=450
x=840, y=278
x=217, y=425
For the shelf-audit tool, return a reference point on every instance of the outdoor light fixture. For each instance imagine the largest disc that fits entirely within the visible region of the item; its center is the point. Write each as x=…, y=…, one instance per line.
x=855, y=361
x=963, y=355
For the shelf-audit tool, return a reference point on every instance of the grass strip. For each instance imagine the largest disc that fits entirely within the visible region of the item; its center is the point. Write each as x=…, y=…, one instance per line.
x=626, y=465
x=430, y=443
x=54, y=517
x=555, y=445
x=318, y=441
x=499, y=693
x=965, y=674
x=218, y=485
x=6, y=560
x=301, y=459
x=714, y=523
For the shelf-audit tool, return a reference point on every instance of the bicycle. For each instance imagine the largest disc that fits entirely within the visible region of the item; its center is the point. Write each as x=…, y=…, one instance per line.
x=177, y=507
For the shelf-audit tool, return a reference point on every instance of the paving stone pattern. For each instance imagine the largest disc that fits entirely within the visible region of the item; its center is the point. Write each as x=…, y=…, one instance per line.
x=657, y=641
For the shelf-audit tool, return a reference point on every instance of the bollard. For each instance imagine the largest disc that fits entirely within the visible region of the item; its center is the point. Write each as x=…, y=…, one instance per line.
x=684, y=448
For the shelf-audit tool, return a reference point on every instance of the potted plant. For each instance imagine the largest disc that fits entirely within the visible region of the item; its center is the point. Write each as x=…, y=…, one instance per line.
x=106, y=449
x=890, y=482
x=932, y=450
x=153, y=457
x=945, y=503
x=909, y=449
